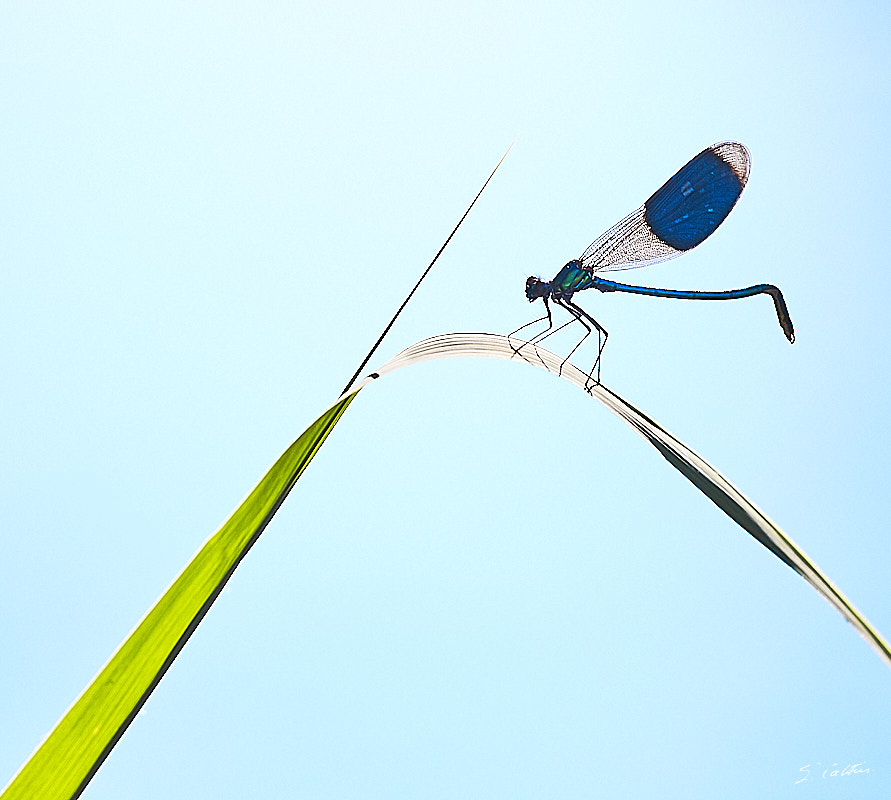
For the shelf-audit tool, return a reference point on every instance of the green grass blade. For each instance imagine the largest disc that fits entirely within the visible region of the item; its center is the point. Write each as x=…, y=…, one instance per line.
x=68, y=758
x=64, y=763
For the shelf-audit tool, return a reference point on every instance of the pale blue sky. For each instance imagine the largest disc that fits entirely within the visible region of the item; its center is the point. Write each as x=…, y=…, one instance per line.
x=485, y=585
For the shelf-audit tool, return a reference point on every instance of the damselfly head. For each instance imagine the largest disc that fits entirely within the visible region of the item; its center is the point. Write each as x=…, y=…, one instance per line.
x=536, y=288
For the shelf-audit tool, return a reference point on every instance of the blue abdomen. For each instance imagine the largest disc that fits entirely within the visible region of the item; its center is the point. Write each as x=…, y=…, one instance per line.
x=572, y=278
x=693, y=202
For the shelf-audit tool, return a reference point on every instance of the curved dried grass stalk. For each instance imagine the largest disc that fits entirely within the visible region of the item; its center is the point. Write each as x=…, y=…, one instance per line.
x=65, y=762
x=693, y=467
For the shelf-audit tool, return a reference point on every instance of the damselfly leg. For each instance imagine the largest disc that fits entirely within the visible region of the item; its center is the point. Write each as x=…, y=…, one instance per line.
x=540, y=336
x=601, y=342
x=580, y=315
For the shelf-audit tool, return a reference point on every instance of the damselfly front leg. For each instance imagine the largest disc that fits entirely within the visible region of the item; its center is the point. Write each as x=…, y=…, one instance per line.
x=531, y=341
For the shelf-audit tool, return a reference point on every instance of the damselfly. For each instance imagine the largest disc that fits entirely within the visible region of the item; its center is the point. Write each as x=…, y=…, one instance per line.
x=683, y=213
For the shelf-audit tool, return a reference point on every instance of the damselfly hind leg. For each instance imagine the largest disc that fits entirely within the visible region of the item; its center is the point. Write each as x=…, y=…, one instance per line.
x=578, y=318
x=602, y=336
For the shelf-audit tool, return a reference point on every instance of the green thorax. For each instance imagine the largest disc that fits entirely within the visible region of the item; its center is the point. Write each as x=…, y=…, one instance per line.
x=572, y=278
